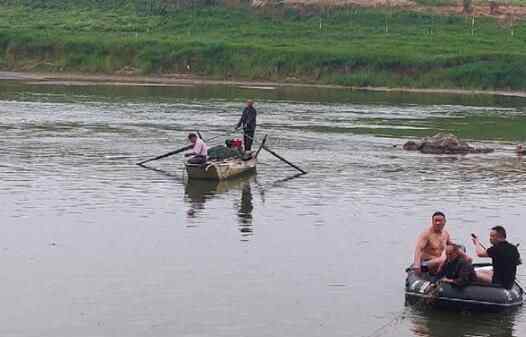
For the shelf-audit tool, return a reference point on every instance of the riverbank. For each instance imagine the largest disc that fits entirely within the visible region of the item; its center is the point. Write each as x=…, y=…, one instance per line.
x=73, y=79
x=350, y=47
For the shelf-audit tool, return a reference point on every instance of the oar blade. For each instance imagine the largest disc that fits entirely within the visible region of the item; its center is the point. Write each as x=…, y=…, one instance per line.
x=188, y=147
x=283, y=159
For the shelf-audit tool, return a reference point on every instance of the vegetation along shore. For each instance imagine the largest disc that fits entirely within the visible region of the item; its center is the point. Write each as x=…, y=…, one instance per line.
x=422, y=44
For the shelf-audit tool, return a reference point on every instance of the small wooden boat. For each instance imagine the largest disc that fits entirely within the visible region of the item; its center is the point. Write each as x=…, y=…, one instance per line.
x=225, y=169
x=221, y=170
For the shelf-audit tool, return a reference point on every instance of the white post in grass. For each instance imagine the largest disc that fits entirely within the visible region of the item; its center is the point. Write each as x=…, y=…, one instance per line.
x=512, y=32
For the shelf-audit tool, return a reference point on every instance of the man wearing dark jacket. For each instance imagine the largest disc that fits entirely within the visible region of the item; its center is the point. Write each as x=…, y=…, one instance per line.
x=505, y=259
x=457, y=269
x=248, y=122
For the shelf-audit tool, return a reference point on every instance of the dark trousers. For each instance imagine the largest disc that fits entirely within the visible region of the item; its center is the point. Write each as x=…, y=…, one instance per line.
x=248, y=138
x=197, y=160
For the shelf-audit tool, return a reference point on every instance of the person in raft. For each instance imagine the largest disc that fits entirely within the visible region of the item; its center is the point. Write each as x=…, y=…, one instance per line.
x=505, y=259
x=430, y=251
x=457, y=269
x=248, y=122
x=199, y=152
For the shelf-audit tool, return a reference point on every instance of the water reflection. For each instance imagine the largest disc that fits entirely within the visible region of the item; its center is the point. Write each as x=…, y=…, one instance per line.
x=427, y=322
x=198, y=192
x=246, y=206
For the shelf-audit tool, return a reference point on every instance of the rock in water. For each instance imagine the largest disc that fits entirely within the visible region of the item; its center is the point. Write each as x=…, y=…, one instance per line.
x=411, y=146
x=442, y=143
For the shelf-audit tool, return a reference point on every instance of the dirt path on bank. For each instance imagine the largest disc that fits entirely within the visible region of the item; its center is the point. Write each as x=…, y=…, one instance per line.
x=497, y=9
x=174, y=80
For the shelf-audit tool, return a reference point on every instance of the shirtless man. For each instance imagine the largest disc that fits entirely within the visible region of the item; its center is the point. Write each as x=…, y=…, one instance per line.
x=431, y=244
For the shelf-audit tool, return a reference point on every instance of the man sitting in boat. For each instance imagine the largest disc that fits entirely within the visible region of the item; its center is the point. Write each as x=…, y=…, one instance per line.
x=431, y=244
x=457, y=269
x=199, y=151
x=505, y=259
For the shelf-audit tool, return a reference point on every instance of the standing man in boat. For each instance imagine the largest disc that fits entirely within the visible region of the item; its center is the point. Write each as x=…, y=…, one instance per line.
x=248, y=122
x=199, y=151
x=505, y=259
x=431, y=245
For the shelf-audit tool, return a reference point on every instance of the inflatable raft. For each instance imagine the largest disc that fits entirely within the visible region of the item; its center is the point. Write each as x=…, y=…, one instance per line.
x=475, y=297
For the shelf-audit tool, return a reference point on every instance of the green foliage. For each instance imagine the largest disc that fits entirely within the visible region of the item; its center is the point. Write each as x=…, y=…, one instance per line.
x=66, y=3
x=436, y=2
x=352, y=48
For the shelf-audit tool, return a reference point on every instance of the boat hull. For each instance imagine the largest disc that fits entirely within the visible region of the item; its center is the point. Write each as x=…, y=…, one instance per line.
x=474, y=297
x=221, y=170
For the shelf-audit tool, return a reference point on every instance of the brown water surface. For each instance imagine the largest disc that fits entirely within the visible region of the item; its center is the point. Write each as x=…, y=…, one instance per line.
x=93, y=245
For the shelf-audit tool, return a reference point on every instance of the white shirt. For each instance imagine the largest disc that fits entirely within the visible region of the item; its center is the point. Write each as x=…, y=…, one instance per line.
x=200, y=148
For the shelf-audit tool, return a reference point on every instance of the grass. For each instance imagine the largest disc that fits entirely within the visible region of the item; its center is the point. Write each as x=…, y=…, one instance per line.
x=351, y=48
x=478, y=126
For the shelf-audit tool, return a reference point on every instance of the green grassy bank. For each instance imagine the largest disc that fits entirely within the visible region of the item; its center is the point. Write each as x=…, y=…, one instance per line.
x=347, y=46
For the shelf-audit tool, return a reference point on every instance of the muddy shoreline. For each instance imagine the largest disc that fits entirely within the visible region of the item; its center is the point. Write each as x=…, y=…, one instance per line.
x=75, y=79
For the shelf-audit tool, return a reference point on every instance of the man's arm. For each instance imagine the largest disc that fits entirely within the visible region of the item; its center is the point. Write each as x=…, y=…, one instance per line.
x=448, y=238
x=242, y=119
x=420, y=246
x=441, y=273
x=198, y=148
x=192, y=152
x=481, y=251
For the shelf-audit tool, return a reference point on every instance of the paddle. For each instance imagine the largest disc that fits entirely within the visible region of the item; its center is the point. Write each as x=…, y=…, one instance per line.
x=282, y=159
x=171, y=153
x=477, y=238
x=277, y=155
x=188, y=147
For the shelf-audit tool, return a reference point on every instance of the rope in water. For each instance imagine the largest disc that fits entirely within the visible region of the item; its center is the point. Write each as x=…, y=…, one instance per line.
x=397, y=319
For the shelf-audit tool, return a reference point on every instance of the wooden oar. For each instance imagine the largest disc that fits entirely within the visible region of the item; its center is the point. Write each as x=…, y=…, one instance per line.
x=188, y=147
x=262, y=146
x=282, y=159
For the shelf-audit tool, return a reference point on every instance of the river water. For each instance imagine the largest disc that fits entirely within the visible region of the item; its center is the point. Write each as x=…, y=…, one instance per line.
x=94, y=245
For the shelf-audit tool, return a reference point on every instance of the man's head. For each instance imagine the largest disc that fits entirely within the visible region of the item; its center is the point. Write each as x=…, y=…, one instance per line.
x=193, y=137
x=497, y=234
x=452, y=251
x=438, y=221
x=250, y=102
